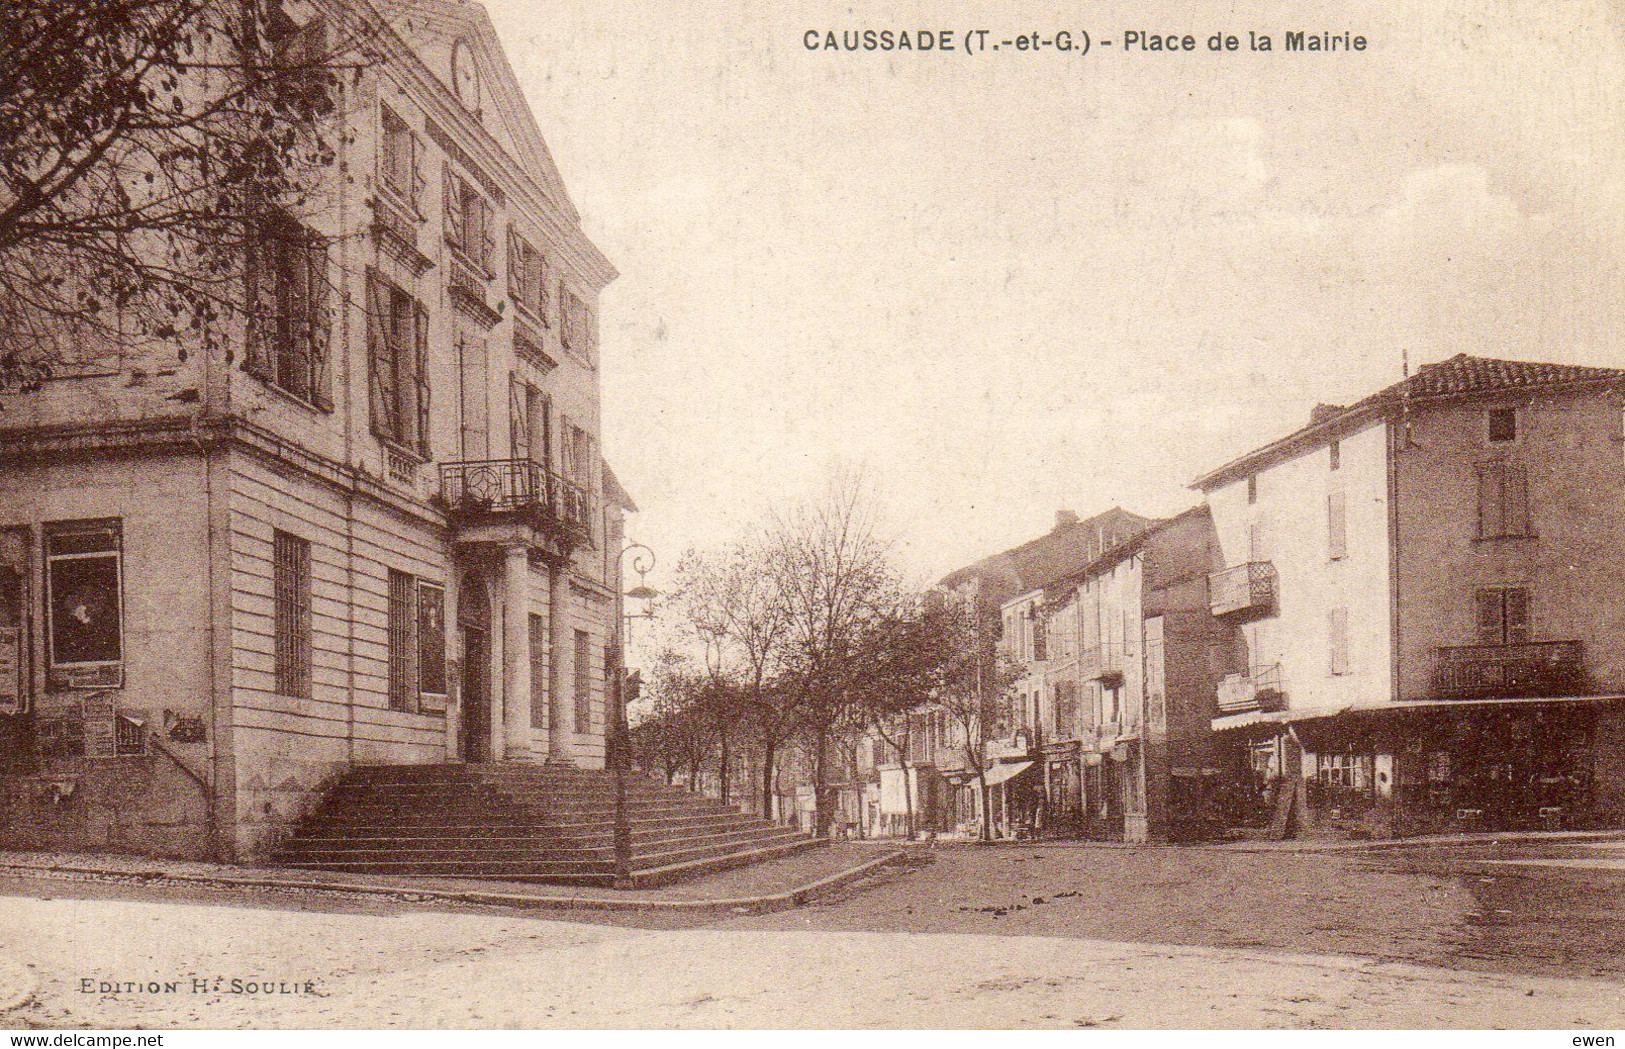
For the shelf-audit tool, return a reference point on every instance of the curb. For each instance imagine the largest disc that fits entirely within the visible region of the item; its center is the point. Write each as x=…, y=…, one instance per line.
x=1441, y=842
x=766, y=904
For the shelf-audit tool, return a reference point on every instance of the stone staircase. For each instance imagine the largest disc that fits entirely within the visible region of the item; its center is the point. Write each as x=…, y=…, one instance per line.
x=516, y=822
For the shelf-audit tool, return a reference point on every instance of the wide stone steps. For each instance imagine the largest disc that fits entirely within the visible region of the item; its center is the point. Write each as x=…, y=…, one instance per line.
x=526, y=823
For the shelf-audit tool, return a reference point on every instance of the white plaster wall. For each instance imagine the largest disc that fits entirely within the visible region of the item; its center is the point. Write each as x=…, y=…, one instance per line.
x=1292, y=509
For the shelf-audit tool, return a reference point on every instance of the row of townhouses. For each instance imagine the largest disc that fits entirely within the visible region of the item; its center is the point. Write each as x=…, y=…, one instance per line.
x=1407, y=616
x=372, y=527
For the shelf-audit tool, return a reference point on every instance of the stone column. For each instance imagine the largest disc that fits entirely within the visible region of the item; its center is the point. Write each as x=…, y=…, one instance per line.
x=516, y=653
x=560, y=669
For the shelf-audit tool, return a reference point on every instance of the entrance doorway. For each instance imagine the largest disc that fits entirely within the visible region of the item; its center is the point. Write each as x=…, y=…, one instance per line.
x=474, y=621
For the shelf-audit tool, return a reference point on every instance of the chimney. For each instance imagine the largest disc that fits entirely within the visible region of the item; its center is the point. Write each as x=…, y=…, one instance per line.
x=1321, y=412
x=1064, y=519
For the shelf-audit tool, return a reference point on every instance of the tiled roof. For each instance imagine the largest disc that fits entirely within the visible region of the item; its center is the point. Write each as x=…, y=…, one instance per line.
x=1460, y=376
x=1463, y=374
x=1063, y=550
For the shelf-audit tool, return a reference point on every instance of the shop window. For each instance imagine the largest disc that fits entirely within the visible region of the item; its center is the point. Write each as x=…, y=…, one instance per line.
x=84, y=582
x=290, y=571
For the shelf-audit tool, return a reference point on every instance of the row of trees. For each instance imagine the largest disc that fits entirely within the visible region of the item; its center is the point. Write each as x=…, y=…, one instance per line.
x=804, y=633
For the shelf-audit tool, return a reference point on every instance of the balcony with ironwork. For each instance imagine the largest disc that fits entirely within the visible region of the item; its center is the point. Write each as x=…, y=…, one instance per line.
x=1245, y=591
x=1526, y=670
x=497, y=491
x=1257, y=689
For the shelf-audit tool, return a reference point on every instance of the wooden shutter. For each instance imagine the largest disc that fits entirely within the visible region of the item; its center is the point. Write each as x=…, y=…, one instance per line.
x=1516, y=613
x=260, y=287
x=516, y=268
x=1491, y=630
x=420, y=374
x=1337, y=540
x=485, y=243
x=418, y=181
x=456, y=234
x=1338, y=629
x=542, y=432
x=1515, y=499
x=321, y=325
x=537, y=285
x=1491, y=519
x=518, y=419
x=475, y=394
x=380, y=378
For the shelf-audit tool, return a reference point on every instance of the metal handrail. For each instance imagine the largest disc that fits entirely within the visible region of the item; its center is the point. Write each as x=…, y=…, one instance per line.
x=511, y=485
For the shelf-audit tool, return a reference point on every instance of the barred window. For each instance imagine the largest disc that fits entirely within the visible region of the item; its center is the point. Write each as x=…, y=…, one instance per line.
x=290, y=572
x=583, y=682
x=403, y=661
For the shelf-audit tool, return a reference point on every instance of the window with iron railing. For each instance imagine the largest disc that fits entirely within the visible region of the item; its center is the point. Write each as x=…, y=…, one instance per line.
x=291, y=614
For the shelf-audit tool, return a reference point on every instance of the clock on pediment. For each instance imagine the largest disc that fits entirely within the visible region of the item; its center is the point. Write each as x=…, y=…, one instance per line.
x=465, y=75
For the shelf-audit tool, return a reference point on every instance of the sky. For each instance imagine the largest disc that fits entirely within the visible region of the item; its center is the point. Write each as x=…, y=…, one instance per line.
x=1007, y=283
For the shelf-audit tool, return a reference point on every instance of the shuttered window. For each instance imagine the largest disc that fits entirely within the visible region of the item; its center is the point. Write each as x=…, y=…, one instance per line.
x=583, y=682
x=1337, y=537
x=399, y=156
x=398, y=365
x=403, y=623
x=1338, y=635
x=475, y=390
x=289, y=312
x=290, y=571
x=1503, y=500
x=1504, y=616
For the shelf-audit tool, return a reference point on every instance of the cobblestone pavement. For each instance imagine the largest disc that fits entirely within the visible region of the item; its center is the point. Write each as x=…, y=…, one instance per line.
x=970, y=937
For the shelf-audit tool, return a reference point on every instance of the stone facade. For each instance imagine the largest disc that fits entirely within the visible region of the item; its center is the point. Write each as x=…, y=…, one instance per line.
x=445, y=578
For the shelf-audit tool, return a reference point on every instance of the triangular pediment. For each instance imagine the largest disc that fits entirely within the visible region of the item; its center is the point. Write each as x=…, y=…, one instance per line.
x=449, y=37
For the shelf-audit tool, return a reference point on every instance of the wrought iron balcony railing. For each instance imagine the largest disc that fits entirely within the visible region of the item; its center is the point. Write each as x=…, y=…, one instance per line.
x=1533, y=668
x=515, y=486
x=1258, y=689
x=1247, y=589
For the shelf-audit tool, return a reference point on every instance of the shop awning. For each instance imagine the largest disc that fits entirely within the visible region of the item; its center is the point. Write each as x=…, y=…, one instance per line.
x=1249, y=719
x=999, y=773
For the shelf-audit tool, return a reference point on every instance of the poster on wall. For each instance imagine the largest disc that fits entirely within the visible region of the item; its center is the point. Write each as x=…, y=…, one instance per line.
x=11, y=672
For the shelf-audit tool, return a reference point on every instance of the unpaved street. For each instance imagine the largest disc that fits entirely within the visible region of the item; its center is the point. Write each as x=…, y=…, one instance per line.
x=977, y=938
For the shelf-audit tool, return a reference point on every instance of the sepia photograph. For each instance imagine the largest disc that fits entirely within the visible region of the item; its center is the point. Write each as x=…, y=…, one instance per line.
x=596, y=515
